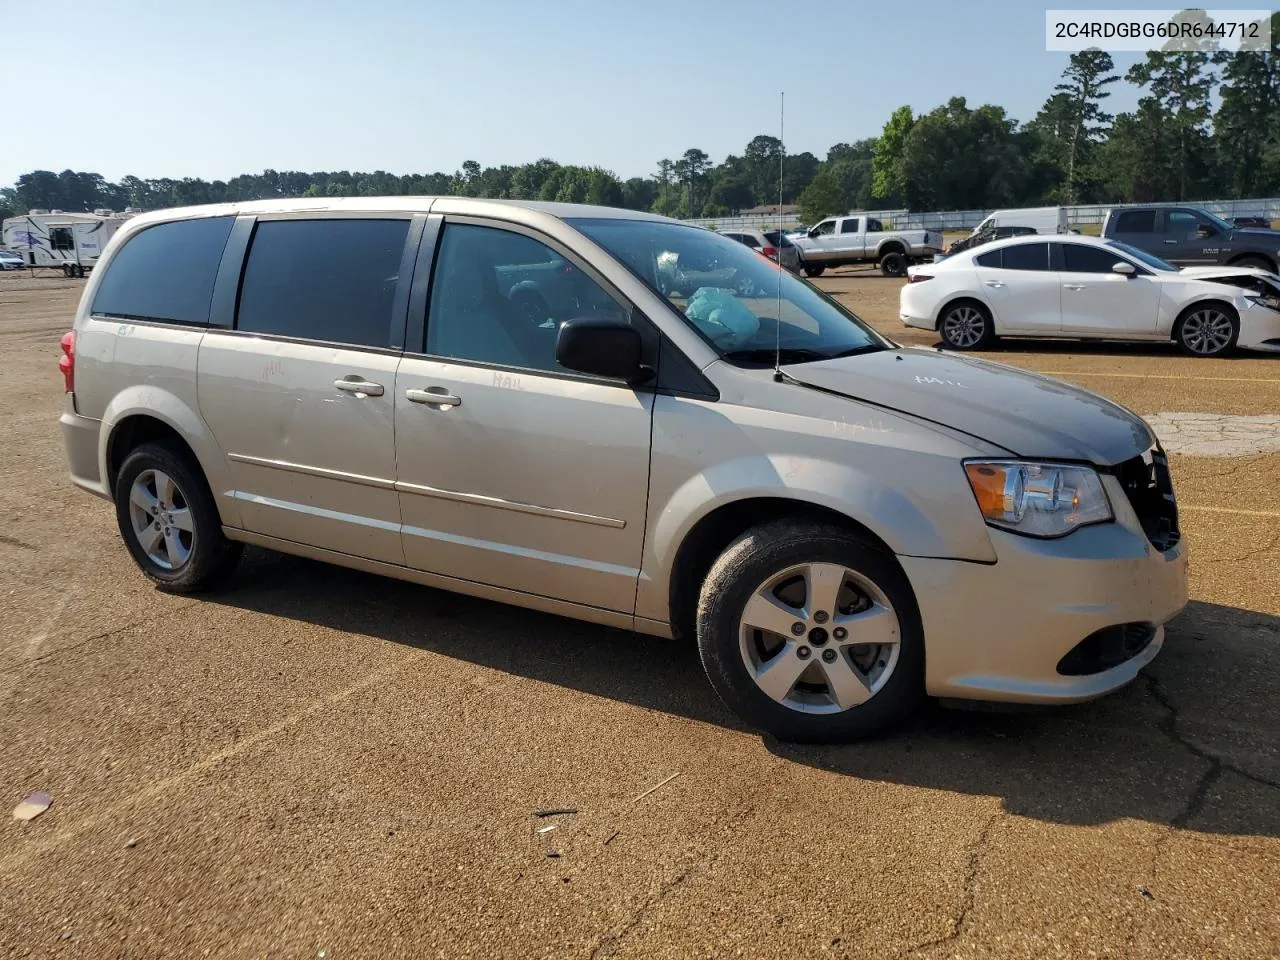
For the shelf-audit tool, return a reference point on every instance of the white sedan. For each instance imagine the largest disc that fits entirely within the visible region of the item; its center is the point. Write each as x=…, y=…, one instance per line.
x=1080, y=287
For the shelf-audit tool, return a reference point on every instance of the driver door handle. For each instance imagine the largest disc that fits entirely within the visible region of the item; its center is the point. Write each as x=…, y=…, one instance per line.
x=433, y=396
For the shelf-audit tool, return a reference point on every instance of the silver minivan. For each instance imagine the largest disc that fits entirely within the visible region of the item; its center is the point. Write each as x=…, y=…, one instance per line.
x=617, y=417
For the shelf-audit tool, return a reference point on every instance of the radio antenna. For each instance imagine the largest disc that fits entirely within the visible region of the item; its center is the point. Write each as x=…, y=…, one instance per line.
x=782, y=156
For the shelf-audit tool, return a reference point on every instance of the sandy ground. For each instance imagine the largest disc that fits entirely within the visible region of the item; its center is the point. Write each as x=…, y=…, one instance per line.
x=317, y=763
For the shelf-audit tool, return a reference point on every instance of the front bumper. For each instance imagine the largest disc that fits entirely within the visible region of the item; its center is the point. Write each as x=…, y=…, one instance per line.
x=1000, y=631
x=1259, y=329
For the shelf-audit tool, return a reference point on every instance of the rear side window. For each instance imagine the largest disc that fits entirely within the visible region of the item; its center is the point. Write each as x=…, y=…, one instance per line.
x=750, y=241
x=1136, y=221
x=849, y=226
x=989, y=259
x=331, y=280
x=1026, y=256
x=165, y=272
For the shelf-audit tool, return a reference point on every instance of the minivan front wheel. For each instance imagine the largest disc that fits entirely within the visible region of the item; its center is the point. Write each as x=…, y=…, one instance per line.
x=169, y=522
x=811, y=633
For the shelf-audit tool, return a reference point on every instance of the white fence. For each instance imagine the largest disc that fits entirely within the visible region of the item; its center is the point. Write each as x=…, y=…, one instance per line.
x=1079, y=216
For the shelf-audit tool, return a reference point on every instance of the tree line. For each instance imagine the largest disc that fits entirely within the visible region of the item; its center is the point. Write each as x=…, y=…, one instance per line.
x=1175, y=145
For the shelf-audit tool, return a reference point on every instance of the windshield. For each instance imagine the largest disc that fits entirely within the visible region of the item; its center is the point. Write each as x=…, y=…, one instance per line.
x=1154, y=262
x=732, y=295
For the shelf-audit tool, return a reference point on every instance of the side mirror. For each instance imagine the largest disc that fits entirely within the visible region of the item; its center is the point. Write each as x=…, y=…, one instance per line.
x=1124, y=269
x=602, y=347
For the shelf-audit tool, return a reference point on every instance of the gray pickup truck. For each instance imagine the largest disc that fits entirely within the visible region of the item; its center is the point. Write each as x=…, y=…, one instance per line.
x=1189, y=237
x=837, y=241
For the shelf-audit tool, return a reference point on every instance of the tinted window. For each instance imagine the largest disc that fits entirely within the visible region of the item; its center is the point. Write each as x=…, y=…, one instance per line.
x=500, y=297
x=874, y=225
x=60, y=238
x=1136, y=221
x=849, y=226
x=778, y=239
x=750, y=241
x=330, y=280
x=1026, y=256
x=1078, y=258
x=165, y=272
x=989, y=259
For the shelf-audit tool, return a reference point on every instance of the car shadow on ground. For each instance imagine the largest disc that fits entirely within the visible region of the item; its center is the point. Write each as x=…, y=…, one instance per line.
x=1192, y=743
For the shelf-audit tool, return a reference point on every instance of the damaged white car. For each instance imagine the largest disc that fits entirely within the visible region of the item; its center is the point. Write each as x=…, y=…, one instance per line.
x=1078, y=287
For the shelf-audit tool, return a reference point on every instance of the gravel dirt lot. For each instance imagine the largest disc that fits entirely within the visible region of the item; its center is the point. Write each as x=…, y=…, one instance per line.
x=322, y=763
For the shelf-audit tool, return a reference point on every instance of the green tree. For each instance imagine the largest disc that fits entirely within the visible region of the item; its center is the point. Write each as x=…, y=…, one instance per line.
x=821, y=198
x=888, y=175
x=1246, y=128
x=1084, y=84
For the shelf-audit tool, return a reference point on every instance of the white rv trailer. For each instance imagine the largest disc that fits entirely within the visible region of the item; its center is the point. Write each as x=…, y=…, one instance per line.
x=51, y=238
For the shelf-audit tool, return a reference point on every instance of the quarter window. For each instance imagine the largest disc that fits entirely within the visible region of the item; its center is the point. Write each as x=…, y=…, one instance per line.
x=330, y=280
x=989, y=259
x=499, y=297
x=1026, y=256
x=1136, y=221
x=165, y=272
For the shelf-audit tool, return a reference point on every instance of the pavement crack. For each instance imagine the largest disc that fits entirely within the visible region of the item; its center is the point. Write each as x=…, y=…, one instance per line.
x=15, y=542
x=977, y=851
x=1251, y=555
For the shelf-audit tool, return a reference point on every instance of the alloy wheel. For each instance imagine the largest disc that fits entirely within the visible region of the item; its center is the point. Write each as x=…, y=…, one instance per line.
x=819, y=638
x=964, y=327
x=1207, y=331
x=161, y=519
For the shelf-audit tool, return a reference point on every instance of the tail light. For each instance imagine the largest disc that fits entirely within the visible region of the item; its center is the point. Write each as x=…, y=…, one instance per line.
x=919, y=277
x=770, y=252
x=67, y=362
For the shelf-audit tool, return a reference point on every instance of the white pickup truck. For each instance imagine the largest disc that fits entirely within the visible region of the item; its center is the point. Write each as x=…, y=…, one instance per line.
x=837, y=241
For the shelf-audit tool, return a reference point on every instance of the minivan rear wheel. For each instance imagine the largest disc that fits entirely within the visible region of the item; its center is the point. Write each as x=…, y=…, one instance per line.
x=811, y=633
x=169, y=522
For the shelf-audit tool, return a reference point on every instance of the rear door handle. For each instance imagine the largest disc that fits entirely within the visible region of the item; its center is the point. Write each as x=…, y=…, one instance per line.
x=1171, y=242
x=433, y=396
x=995, y=283
x=1073, y=286
x=359, y=386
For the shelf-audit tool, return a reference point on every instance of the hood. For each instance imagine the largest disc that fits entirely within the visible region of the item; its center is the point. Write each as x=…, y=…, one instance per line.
x=1025, y=413
x=1214, y=273
x=1256, y=234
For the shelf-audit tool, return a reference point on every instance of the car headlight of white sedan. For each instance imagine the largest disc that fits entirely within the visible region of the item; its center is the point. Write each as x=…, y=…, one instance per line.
x=1038, y=499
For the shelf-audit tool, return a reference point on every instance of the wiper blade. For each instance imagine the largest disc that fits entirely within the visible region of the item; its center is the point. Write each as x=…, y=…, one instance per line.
x=768, y=354
x=855, y=351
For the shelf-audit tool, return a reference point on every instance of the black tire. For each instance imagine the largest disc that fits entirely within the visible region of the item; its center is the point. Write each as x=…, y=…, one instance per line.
x=749, y=562
x=813, y=270
x=1261, y=263
x=1188, y=329
x=968, y=317
x=212, y=556
x=893, y=264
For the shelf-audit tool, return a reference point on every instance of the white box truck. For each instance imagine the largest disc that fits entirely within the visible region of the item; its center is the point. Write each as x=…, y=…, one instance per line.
x=52, y=238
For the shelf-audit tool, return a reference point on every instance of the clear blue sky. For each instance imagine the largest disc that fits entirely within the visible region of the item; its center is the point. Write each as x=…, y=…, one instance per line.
x=422, y=86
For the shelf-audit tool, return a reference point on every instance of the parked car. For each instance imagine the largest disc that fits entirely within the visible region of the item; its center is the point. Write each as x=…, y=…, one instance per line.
x=494, y=398
x=986, y=236
x=772, y=244
x=1186, y=236
x=839, y=241
x=1084, y=287
x=11, y=261
x=1039, y=219
x=1260, y=222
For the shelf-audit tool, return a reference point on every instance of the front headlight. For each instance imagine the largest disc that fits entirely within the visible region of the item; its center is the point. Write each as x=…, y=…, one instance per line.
x=1037, y=499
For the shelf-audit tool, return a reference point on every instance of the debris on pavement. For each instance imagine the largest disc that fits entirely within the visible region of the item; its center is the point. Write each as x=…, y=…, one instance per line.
x=656, y=786
x=609, y=839
x=131, y=842
x=32, y=806
x=547, y=829
x=555, y=811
